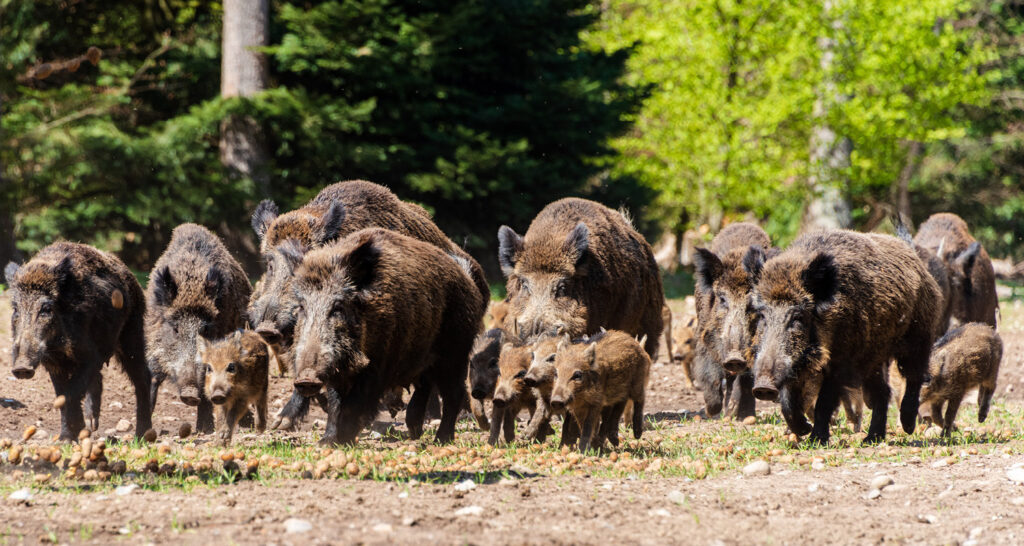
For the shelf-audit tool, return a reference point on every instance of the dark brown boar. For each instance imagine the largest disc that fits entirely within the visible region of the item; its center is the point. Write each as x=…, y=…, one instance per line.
x=196, y=290
x=966, y=357
x=842, y=304
x=511, y=394
x=971, y=277
x=937, y=269
x=235, y=378
x=594, y=381
x=483, y=372
x=379, y=310
x=73, y=308
x=725, y=276
x=579, y=267
x=337, y=211
x=684, y=339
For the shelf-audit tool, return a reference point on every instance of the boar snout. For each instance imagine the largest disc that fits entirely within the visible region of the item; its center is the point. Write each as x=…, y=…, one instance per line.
x=190, y=395
x=499, y=401
x=765, y=389
x=531, y=381
x=21, y=371
x=269, y=332
x=734, y=363
x=307, y=383
x=219, y=397
x=478, y=393
x=557, y=403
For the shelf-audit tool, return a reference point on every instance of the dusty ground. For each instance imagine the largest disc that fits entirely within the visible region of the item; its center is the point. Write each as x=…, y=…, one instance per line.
x=970, y=499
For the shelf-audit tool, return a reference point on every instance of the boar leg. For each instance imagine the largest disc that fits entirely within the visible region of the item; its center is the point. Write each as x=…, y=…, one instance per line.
x=610, y=423
x=93, y=401
x=853, y=409
x=453, y=393
x=204, y=415
x=638, y=418
x=743, y=392
x=479, y=413
x=293, y=412
x=710, y=376
x=417, y=409
x=332, y=405
x=791, y=404
x=261, y=412
x=587, y=428
x=132, y=356
x=71, y=421
x=498, y=418
x=984, y=401
x=509, y=423
x=876, y=390
x=730, y=405
x=570, y=431
x=951, y=408
x=537, y=429
x=154, y=387
x=357, y=410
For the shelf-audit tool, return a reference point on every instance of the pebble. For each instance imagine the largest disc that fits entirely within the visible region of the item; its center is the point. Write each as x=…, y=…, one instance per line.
x=676, y=496
x=813, y=487
x=508, y=482
x=126, y=489
x=881, y=482
x=24, y=494
x=750, y=420
x=874, y=494
x=123, y=425
x=465, y=486
x=296, y=525
x=408, y=521
x=403, y=495
x=1016, y=475
x=382, y=528
x=757, y=468
x=115, y=405
x=817, y=465
x=470, y=511
x=661, y=512
x=927, y=518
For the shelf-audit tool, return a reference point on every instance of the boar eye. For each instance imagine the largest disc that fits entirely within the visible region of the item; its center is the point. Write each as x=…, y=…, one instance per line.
x=520, y=375
x=550, y=358
x=577, y=376
x=209, y=368
x=231, y=367
x=561, y=290
x=45, y=308
x=722, y=301
x=796, y=323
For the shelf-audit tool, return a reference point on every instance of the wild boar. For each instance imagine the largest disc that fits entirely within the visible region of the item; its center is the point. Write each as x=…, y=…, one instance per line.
x=842, y=304
x=483, y=372
x=684, y=339
x=725, y=276
x=971, y=277
x=511, y=394
x=496, y=313
x=379, y=310
x=967, y=356
x=579, y=267
x=540, y=378
x=939, y=271
x=73, y=308
x=337, y=211
x=235, y=378
x=196, y=290
x=594, y=381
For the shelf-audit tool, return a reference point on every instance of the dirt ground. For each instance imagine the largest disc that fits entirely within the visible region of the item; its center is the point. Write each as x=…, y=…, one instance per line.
x=969, y=502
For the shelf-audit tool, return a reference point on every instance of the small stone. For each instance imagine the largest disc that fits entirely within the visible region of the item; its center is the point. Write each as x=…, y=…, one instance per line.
x=874, y=494
x=465, y=486
x=1016, y=475
x=382, y=528
x=881, y=482
x=59, y=402
x=757, y=468
x=470, y=511
x=115, y=405
x=126, y=489
x=661, y=512
x=933, y=432
x=927, y=518
x=408, y=521
x=24, y=494
x=508, y=482
x=123, y=425
x=677, y=496
x=750, y=420
x=296, y=525
x=813, y=487
x=29, y=432
x=817, y=465
x=940, y=463
x=403, y=495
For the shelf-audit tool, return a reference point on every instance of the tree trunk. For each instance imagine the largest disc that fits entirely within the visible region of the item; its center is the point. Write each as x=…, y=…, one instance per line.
x=243, y=74
x=830, y=153
x=903, y=183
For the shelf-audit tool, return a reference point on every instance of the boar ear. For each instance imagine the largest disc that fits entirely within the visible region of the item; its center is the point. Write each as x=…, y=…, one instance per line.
x=264, y=214
x=362, y=263
x=330, y=224
x=63, y=272
x=10, y=271
x=753, y=261
x=562, y=343
x=202, y=344
x=215, y=283
x=965, y=260
x=506, y=347
x=577, y=243
x=590, y=352
x=707, y=267
x=165, y=289
x=510, y=244
x=821, y=278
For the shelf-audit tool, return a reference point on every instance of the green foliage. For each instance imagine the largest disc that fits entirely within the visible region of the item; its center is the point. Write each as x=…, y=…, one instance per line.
x=741, y=86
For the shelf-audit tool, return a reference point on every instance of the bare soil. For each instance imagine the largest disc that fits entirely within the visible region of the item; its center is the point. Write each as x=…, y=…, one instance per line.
x=970, y=500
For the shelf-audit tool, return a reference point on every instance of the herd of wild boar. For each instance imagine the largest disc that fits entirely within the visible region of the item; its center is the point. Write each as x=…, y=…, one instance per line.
x=363, y=297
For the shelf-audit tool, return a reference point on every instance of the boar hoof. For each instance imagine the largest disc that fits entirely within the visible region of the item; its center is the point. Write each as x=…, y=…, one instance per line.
x=874, y=438
x=282, y=423
x=92, y=424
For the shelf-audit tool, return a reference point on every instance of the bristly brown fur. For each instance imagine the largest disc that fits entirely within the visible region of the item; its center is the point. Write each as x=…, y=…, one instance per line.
x=973, y=291
x=244, y=386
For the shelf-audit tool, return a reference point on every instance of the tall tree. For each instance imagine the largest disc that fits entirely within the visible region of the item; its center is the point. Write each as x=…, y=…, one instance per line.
x=243, y=74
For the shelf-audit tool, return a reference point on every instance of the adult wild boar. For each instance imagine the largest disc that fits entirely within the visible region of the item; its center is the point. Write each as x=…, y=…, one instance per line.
x=939, y=271
x=972, y=279
x=724, y=351
x=379, y=310
x=196, y=289
x=579, y=267
x=73, y=308
x=839, y=305
x=338, y=210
